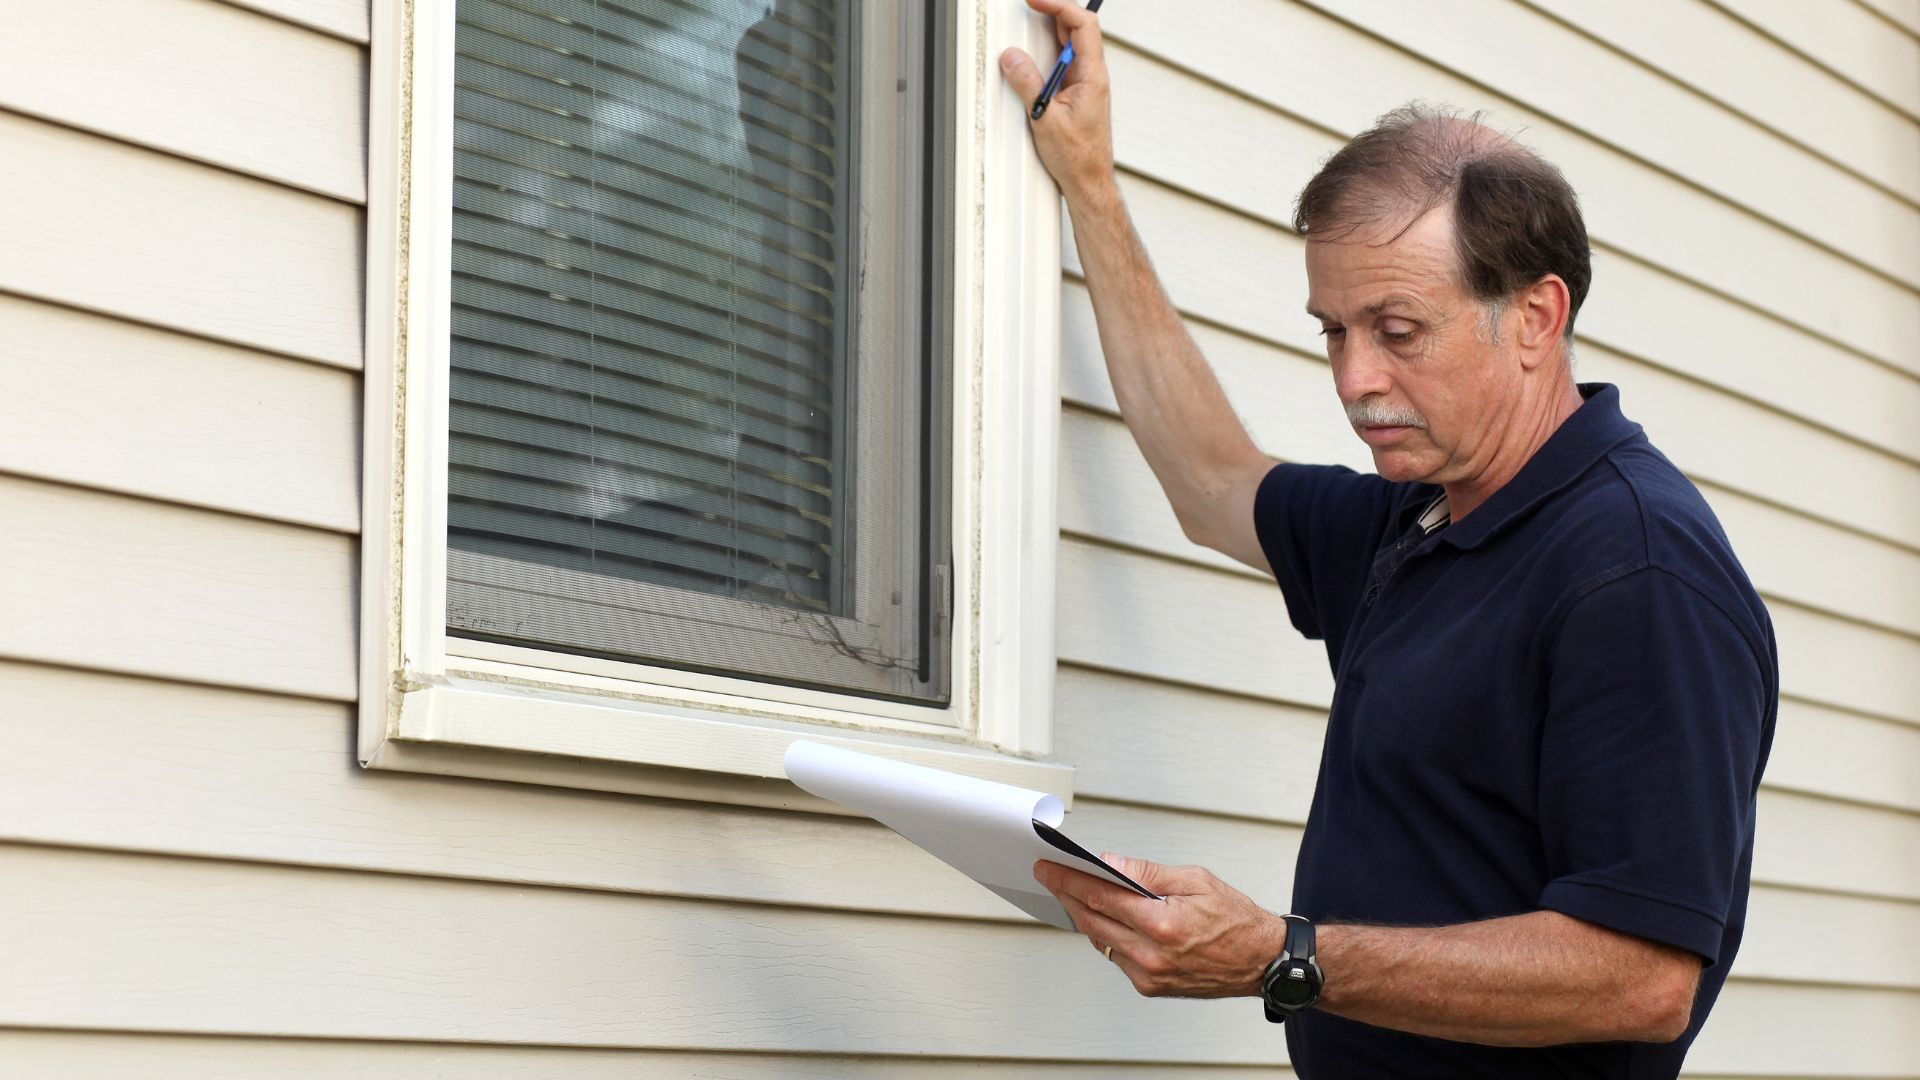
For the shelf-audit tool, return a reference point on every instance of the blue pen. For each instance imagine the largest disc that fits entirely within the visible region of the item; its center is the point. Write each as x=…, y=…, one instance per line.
x=1059, y=72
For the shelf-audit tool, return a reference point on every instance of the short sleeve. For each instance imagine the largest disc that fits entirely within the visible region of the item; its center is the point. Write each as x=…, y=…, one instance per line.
x=1650, y=753
x=1320, y=527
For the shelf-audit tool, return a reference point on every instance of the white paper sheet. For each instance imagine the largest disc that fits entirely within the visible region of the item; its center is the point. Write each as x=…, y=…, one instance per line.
x=993, y=833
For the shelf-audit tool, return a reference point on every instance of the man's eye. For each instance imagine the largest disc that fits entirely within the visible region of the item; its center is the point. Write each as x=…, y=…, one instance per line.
x=1332, y=331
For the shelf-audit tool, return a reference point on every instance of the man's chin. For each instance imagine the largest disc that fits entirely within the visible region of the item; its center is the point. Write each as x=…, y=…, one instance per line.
x=1399, y=467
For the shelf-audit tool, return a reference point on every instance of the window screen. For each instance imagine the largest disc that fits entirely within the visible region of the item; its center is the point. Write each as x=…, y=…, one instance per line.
x=699, y=323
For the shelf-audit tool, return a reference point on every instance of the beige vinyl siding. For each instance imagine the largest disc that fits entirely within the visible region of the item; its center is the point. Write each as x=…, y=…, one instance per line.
x=148, y=588
x=1904, y=15
x=102, y=225
x=88, y=1056
x=345, y=19
x=1846, y=40
x=181, y=266
x=1775, y=89
x=300, y=130
x=114, y=405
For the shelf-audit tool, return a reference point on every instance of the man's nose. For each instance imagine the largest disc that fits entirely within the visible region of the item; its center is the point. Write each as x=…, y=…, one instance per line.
x=1360, y=372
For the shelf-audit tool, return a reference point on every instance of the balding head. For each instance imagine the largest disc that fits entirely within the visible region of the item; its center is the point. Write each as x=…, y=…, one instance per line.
x=1515, y=218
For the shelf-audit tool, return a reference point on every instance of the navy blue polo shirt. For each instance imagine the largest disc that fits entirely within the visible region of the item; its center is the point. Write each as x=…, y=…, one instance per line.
x=1563, y=701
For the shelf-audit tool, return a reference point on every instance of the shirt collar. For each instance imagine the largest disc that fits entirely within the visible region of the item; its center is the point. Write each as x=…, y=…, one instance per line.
x=1435, y=516
x=1594, y=428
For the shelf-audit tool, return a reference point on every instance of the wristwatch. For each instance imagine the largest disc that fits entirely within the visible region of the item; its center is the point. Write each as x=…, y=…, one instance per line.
x=1292, y=982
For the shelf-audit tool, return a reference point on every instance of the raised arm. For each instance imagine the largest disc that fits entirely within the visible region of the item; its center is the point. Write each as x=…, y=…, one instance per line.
x=1201, y=453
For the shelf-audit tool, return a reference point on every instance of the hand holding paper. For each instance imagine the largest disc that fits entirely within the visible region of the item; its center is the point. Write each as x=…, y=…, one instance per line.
x=1203, y=939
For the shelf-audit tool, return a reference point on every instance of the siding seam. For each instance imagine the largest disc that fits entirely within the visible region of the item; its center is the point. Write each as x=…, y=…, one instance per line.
x=66, y=124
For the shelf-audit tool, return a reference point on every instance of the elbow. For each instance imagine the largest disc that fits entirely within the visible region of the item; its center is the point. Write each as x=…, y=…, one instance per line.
x=1212, y=496
x=1196, y=507
x=1665, y=1010
x=1204, y=509
x=1194, y=529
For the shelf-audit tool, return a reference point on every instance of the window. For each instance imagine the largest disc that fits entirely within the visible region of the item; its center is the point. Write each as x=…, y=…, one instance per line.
x=695, y=419
x=698, y=337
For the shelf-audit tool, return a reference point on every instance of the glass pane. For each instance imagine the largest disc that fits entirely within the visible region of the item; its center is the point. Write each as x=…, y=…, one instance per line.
x=647, y=271
x=671, y=378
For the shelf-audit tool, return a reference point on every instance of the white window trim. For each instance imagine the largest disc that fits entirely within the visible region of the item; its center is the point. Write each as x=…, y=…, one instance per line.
x=475, y=709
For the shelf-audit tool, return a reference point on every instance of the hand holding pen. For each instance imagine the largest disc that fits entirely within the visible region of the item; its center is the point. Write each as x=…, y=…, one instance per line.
x=1075, y=140
x=1059, y=72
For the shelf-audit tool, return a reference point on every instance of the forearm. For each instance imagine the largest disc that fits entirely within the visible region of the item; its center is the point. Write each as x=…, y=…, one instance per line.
x=1526, y=980
x=1168, y=394
x=1203, y=457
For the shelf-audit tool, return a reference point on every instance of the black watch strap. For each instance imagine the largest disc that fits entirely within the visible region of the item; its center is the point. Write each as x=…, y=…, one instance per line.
x=1299, y=960
x=1300, y=937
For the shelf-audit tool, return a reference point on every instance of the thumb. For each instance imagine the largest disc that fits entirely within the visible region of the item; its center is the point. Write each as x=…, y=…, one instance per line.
x=1022, y=75
x=1150, y=874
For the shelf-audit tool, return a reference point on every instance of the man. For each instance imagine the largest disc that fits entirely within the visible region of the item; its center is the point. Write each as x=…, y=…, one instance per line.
x=1529, y=846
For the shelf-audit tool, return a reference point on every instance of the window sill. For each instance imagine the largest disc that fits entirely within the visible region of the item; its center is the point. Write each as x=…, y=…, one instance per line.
x=471, y=727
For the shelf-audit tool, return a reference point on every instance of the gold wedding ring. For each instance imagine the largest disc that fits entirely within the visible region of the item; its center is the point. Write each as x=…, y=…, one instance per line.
x=1109, y=952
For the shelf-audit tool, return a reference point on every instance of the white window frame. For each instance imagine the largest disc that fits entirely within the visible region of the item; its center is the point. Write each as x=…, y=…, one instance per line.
x=429, y=703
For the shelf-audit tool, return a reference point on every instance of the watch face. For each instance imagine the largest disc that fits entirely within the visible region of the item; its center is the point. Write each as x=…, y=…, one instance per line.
x=1291, y=987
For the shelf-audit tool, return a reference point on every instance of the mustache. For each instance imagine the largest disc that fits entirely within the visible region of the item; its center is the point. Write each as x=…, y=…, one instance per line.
x=1373, y=412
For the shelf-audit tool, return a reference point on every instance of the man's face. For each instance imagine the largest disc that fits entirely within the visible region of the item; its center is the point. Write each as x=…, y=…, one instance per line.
x=1422, y=384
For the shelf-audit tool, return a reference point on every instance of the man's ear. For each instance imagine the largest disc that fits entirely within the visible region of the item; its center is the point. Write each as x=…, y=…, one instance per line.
x=1540, y=315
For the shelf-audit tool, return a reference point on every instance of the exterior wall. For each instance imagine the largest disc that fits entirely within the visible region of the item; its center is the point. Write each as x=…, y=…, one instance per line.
x=194, y=879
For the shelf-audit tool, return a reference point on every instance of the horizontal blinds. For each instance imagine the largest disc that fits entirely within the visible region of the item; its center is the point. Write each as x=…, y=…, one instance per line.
x=647, y=283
